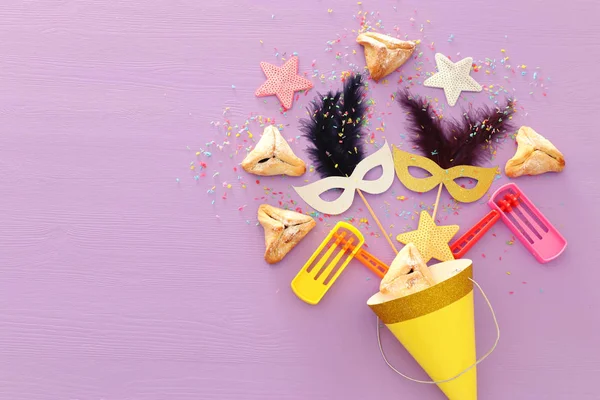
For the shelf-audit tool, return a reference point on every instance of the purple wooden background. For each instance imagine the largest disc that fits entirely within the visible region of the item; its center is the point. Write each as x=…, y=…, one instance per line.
x=118, y=280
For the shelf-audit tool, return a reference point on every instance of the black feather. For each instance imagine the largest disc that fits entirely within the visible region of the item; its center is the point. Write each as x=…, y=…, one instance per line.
x=334, y=129
x=464, y=142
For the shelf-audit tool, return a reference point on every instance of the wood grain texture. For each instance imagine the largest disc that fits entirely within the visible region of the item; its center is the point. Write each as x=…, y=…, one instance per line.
x=119, y=283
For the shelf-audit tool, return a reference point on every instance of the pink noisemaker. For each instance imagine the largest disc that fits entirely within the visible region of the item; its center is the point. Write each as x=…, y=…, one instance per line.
x=525, y=221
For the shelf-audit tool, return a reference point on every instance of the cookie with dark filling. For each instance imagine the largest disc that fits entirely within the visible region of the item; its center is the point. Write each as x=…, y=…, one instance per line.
x=272, y=155
x=408, y=274
x=284, y=229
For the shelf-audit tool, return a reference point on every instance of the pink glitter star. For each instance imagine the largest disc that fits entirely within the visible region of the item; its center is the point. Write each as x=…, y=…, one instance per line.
x=283, y=82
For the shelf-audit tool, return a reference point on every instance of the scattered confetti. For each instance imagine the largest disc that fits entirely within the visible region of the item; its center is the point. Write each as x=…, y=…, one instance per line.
x=234, y=135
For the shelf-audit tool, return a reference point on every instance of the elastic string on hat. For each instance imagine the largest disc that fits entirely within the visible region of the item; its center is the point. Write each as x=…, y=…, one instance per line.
x=463, y=372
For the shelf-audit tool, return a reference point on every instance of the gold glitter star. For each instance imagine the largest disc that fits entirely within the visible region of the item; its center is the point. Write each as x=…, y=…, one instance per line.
x=431, y=240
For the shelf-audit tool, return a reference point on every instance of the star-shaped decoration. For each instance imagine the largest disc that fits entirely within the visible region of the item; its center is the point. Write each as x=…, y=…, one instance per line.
x=283, y=82
x=431, y=240
x=453, y=78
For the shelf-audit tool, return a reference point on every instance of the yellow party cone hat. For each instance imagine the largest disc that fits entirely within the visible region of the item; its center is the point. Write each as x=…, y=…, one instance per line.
x=437, y=327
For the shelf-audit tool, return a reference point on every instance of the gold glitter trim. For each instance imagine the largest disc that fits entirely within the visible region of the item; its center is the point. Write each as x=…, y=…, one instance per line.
x=426, y=301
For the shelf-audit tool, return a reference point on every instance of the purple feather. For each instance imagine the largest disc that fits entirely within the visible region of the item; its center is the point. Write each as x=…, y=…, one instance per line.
x=464, y=142
x=334, y=129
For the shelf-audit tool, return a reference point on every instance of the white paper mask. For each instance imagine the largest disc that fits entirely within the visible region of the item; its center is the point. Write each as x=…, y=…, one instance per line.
x=311, y=193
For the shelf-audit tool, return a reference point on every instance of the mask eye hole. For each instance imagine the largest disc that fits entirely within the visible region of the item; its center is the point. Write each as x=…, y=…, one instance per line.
x=466, y=183
x=331, y=195
x=418, y=172
x=374, y=173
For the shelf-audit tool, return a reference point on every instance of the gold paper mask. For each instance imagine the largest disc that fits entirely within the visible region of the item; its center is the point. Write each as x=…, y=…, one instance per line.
x=484, y=176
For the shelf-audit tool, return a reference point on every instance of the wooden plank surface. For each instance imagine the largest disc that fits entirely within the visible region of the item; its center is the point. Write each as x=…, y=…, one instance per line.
x=121, y=280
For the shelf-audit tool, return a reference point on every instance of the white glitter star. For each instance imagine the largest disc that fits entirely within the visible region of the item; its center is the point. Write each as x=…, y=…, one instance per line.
x=453, y=78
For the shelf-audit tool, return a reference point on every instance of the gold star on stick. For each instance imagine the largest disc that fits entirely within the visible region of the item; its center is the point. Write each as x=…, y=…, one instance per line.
x=431, y=240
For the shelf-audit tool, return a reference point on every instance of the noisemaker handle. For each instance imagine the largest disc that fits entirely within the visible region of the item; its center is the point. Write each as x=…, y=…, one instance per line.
x=464, y=243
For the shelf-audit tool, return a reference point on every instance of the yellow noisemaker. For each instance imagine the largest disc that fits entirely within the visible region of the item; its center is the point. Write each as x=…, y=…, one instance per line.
x=437, y=327
x=325, y=265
